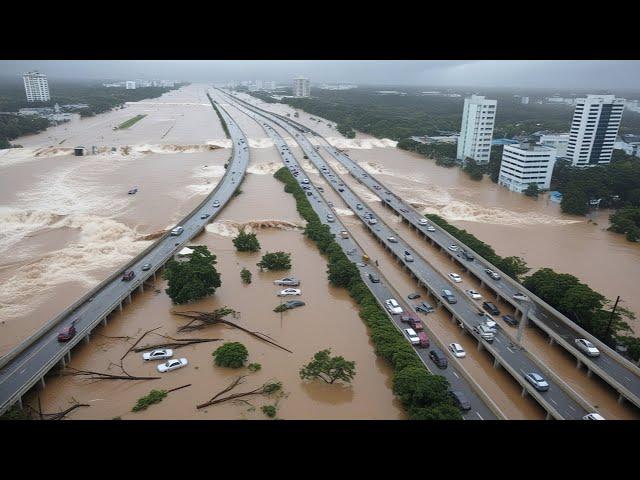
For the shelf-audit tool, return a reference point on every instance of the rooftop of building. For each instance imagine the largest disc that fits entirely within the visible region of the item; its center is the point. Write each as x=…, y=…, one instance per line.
x=530, y=147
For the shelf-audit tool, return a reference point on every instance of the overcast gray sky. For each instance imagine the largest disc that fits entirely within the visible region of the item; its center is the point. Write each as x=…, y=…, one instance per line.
x=603, y=74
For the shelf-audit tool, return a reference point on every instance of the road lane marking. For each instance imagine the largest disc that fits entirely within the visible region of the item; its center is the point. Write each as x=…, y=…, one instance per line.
x=479, y=416
x=553, y=401
x=456, y=375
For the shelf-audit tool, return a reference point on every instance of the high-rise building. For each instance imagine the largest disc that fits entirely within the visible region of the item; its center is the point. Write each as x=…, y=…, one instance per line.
x=130, y=85
x=301, y=87
x=524, y=100
x=476, y=132
x=559, y=141
x=594, y=129
x=526, y=163
x=36, y=87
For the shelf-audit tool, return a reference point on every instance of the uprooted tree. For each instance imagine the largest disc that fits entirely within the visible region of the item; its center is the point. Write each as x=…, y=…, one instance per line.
x=201, y=320
x=267, y=389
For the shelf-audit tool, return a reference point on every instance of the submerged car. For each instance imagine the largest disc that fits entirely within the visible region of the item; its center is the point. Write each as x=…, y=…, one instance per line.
x=159, y=354
x=294, y=303
x=133, y=191
x=288, y=281
x=413, y=296
x=289, y=291
x=172, y=365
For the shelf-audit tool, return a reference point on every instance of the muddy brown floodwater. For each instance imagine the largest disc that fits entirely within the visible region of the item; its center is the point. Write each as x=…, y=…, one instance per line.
x=511, y=223
x=328, y=320
x=67, y=221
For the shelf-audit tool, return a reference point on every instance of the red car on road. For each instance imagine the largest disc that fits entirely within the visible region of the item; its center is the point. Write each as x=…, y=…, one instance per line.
x=128, y=275
x=67, y=333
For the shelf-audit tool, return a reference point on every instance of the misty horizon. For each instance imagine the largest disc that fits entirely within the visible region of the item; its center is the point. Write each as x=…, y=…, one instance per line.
x=578, y=75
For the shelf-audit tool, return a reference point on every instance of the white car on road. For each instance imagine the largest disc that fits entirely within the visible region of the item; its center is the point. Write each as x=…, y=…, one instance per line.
x=423, y=221
x=473, y=294
x=453, y=248
x=593, y=416
x=455, y=277
x=172, y=365
x=216, y=204
x=393, y=306
x=457, y=350
x=586, y=347
x=412, y=336
x=290, y=291
x=159, y=354
x=431, y=228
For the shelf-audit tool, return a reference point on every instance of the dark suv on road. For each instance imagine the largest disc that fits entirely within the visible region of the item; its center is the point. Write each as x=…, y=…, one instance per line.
x=438, y=358
x=374, y=278
x=491, y=308
x=460, y=400
x=467, y=255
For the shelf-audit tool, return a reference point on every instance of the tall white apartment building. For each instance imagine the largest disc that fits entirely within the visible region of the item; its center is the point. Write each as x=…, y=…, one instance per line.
x=476, y=132
x=526, y=163
x=130, y=85
x=594, y=129
x=524, y=100
x=301, y=87
x=36, y=87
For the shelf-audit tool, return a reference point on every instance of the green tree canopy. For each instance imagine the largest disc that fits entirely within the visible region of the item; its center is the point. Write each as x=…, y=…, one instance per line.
x=275, y=261
x=246, y=242
x=193, y=279
x=231, y=355
x=532, y=190
x=328, y=368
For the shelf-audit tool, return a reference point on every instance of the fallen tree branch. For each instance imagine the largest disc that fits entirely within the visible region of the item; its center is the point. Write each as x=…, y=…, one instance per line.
x=214, y=318
x=177, y=344
x=104, y=376
x=265, y=389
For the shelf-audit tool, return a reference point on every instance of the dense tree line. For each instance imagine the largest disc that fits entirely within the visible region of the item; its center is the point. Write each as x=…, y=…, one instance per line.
x=626, y=221
x=423, y=395
x=616, y=184
x=512, y=266
x=443, y=153
x=403, y=116
x=584, y=306
x=14, y=126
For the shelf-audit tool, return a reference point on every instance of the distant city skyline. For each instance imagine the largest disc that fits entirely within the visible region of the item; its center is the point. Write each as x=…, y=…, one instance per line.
x=543, y=74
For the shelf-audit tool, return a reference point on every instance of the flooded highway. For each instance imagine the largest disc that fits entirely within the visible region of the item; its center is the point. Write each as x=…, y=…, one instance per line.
x=72, y=223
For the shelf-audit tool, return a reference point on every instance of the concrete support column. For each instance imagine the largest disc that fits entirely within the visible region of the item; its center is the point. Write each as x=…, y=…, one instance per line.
x=548, y=417
x=42, y=384
x=589, y=373
x=87, y=338
x=481, y=284
x=129, y=297
x=578, y=363
x=524, y=392
x=142, y=287
x=69, y=356
x=496, y=363
x=551, y=341
x=19, y=402
x=480, y=346
x=120, y=306
x=497, y=296
x=63, y=362
x=620, y=399
x=154, y=276
x=104, y=321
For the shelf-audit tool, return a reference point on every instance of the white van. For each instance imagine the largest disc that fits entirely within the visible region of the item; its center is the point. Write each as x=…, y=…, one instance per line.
x=412, y=336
